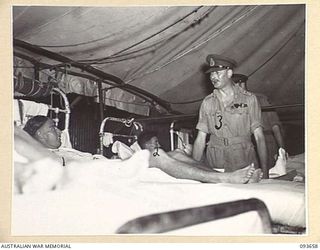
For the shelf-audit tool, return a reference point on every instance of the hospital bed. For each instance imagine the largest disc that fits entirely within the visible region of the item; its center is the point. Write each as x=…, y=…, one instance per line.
x=104, y=203
x=100, y=203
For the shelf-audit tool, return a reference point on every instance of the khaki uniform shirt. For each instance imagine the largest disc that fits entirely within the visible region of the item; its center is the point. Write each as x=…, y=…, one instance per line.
x=230, y=129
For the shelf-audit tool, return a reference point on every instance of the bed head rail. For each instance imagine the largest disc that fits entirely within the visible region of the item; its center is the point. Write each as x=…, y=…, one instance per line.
x=57, y=110
x=35, y=108
x=127, y=122
x=183, y=136
x=24, y=115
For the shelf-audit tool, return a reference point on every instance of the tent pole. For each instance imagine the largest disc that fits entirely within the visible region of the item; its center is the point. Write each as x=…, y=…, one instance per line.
x=101, y=103
x=36, y=72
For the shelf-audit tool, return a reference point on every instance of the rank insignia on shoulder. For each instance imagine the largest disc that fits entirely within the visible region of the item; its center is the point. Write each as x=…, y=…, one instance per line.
x=246, y=92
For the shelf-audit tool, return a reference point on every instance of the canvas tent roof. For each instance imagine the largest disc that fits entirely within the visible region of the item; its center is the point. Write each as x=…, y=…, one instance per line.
x=162, y=49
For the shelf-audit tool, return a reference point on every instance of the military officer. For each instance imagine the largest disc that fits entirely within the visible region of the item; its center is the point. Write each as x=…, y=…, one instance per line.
x=229, y=115
x=272, y=127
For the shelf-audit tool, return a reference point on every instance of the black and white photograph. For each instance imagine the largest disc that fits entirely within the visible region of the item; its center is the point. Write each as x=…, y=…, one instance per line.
x=159, y=120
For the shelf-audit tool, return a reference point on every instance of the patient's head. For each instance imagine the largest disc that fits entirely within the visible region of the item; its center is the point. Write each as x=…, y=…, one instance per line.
x=42, y=129
x=148, y=140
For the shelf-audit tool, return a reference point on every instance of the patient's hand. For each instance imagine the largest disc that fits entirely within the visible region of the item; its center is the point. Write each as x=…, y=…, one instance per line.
x=38, y=176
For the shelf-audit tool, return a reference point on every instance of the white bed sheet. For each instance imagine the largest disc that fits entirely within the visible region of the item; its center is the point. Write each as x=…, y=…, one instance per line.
x=101, y=209
x=103, y=195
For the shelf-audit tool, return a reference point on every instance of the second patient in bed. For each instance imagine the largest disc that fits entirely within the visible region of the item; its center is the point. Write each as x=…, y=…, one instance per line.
x=181, y=166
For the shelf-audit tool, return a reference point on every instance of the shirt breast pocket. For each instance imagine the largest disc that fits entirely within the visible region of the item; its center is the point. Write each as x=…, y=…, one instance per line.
x=240, y=120
x=242, y=111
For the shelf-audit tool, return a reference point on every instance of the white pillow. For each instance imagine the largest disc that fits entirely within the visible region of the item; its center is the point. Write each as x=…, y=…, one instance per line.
x=123, y=151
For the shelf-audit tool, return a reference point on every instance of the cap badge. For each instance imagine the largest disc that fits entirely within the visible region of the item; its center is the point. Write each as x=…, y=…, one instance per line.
x=212, y=62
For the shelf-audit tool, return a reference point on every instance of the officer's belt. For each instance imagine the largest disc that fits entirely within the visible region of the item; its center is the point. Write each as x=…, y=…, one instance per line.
x=225, y=141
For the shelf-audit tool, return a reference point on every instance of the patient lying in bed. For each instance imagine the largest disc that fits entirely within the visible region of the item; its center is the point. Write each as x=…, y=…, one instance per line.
x=36, y=169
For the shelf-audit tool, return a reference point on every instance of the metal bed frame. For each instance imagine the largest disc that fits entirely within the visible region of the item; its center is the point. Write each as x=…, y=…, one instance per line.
x=127, y=122
x=172, y=132
x=57, y=110
x=177, y=219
